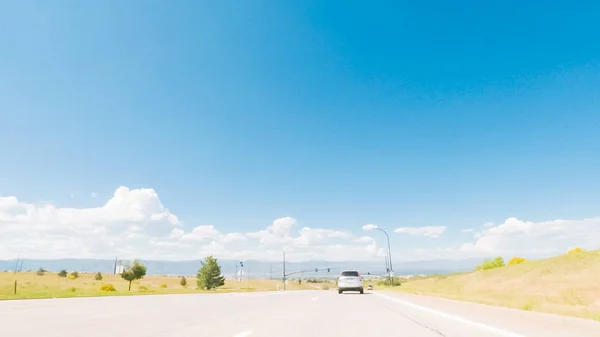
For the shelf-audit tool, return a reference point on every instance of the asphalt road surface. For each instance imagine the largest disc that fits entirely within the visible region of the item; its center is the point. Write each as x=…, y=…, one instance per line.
x=280, y=314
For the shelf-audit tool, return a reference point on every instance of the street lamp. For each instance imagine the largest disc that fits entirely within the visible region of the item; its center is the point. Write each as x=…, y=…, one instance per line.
x=371, y=227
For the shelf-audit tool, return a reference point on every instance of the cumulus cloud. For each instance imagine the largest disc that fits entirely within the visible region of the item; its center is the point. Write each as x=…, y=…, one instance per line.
x=201, y=233
x=427, y=231
x=364, y=239
x=369, y=227
x=282, y=227
x=134, y=223
x=310, y=236
x=529, y=238
x=127, y=221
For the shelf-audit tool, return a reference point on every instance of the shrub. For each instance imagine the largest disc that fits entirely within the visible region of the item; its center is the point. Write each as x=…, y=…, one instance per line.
x=41, y=272
x=183, y=281
x=163, y=285
x=63, y=273
x=386, y=282
x=325, y=287
x=98, y=276
x=143, y=288
x=107, y=287
x=576, y=250
x=516, y=260
x=491, y=264
x=74, y=275
x=73, y=289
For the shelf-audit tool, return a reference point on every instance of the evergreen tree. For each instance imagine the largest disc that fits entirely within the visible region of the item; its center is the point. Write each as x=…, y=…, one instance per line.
x=63, y=273
x=98, y=276
x=183, y=281
x=209, y=276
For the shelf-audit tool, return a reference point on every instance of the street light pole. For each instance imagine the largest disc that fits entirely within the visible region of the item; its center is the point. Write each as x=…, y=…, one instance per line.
x=389, y=250
x=389, y=253
x=387, y=268
x=283, y=270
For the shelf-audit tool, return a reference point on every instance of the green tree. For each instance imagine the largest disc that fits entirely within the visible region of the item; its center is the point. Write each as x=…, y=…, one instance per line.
x=98, y=276
x=63, y=273
x=209, y=276
x=183, y=281
x=41, y=272
x=135, y=272
x=74, y=275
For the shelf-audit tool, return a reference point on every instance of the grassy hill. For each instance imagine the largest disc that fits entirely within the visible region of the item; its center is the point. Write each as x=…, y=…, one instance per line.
x=568, y=284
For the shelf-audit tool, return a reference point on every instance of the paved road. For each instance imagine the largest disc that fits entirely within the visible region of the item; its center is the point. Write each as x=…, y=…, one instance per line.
x=280, y=314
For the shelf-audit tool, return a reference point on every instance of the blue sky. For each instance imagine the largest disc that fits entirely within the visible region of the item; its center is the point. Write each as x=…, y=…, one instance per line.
x=338, y=114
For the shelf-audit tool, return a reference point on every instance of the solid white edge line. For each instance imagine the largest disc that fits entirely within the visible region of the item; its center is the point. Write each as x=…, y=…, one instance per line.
x=244, y=333
x=452, y=317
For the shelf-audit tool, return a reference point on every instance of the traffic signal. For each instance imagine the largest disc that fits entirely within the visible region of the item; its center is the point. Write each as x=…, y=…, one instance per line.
x=241, y=264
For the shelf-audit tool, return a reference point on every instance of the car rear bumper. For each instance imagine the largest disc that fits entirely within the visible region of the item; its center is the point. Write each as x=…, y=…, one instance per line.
x=350, y=289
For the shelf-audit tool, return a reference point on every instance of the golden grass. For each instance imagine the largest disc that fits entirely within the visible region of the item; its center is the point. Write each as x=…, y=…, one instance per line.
x=568, y=284
x=30, y=285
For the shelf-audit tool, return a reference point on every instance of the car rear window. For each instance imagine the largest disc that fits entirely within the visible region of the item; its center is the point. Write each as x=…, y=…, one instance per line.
x=350, y=273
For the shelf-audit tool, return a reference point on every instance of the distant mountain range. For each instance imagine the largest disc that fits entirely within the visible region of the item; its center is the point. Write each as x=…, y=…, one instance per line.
x=255, y=269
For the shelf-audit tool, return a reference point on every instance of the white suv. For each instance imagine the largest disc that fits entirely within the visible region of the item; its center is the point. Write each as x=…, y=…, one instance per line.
x=350, y=280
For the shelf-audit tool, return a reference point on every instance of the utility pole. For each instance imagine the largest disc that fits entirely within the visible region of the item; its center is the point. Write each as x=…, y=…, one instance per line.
x=115, y=268
x=271, y=271
x=236, y=272
x=17, y=264
x=283, y=270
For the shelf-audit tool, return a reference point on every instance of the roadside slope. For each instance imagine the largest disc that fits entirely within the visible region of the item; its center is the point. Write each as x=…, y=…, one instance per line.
x=568, y=284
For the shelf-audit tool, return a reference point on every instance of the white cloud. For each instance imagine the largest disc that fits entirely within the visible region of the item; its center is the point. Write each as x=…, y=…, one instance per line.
x=176, y=233
x=134, y=223
x=369, y=227
x=310, y=236
x=281, y=227
x=234, y=237
x=467, y=230
x=94, y=195
x=365, y=239
x=126, y=222
x=427, y=231
x=535, y=239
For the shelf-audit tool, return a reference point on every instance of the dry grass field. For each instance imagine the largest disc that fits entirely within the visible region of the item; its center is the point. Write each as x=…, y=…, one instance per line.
x=568, y=284
x=30, y=285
